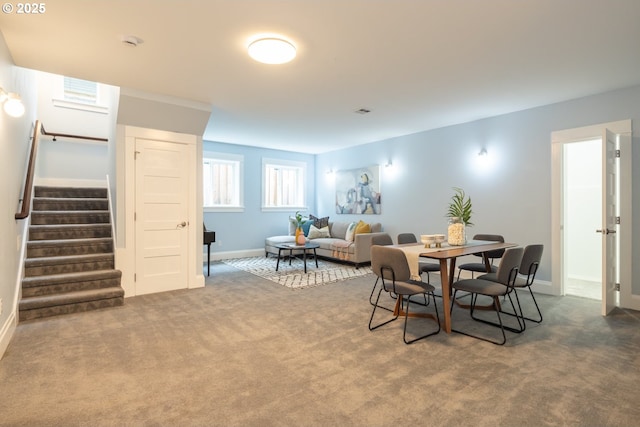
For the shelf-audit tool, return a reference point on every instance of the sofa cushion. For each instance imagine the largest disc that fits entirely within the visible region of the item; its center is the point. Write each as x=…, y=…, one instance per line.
x=338, y=229
x=351, y=232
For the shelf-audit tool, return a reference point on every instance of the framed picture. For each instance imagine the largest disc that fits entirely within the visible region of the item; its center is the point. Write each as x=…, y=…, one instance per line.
x=358, y=191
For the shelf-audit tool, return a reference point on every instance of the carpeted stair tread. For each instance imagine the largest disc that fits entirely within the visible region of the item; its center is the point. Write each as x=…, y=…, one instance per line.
x=70, y=298
x=69, y=259
x=53, y=279
x=96, y=216
x=70, y=192
x=62, y=247
x=68, y=231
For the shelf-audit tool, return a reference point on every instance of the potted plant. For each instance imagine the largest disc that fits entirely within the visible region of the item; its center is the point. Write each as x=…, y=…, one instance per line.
x=459, y=213
x=300, y=239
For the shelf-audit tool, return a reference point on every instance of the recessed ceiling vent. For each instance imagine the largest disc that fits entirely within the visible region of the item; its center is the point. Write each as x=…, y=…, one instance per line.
x=363, y=111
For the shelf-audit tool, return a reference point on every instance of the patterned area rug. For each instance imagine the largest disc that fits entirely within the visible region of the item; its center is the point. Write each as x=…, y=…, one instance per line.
x=293, y=276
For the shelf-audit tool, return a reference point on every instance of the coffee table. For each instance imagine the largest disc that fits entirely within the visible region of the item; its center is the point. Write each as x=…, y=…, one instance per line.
x=305, y=249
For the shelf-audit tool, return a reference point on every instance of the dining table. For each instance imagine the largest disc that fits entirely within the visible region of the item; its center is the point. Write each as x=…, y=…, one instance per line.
x=446, y=255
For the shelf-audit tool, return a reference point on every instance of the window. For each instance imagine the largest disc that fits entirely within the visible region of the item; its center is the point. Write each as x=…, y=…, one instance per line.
x=77, y=94
x=82, y=91
x=222, y=182
x=283, y=184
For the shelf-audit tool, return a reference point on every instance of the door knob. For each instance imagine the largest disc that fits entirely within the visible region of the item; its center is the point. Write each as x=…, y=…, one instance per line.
x=606, y=231
x=183, y=224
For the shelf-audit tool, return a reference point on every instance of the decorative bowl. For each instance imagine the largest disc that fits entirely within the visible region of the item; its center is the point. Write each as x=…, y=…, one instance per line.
x=427, y=239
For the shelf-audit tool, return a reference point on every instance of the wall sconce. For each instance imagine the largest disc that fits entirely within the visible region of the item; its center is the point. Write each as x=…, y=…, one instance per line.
x=483, y=153
x=13, y=105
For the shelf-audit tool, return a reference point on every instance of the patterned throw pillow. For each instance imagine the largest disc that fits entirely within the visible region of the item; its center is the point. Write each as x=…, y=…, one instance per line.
x=320, y=222
x=317, y=233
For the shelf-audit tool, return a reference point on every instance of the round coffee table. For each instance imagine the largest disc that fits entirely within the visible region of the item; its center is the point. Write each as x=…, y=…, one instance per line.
x=305, y=249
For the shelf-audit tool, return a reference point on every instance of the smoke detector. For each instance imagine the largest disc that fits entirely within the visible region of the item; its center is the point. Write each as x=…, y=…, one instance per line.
x=131, y=40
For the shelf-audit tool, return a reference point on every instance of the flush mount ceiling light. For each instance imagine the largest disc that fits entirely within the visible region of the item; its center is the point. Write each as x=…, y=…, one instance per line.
x=272, y=50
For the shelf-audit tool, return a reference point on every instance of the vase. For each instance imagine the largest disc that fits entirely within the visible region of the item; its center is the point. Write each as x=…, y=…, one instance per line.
x=300, y=240
x=456, y=233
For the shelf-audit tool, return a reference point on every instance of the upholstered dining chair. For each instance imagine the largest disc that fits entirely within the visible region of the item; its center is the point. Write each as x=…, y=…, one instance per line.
x=480, y=267
x=424, y=266
x=380, y=240
x=526, y=275
x=391, y=266
x=503, y=286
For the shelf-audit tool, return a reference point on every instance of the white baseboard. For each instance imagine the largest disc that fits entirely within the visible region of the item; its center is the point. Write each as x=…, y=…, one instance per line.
x=217, y=256
x=543, y=287
x=6, y=333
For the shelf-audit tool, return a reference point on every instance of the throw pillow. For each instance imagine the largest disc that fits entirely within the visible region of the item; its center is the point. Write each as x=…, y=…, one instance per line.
x=320, y=222
x=351, y=232
x=305, y=225
x=362, y=227
x=317, y=233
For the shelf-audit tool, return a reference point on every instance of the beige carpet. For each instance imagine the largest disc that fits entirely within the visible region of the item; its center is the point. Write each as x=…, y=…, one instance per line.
x=291, y=273
x=243, y=352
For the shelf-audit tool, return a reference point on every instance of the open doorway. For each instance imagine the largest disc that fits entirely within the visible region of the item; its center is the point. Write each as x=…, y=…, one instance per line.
x=582, y=216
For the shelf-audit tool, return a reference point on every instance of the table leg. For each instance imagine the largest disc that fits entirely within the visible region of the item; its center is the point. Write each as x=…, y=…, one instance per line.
x=290, y=255
x=208, y=259
x=446, y=295
x=304, y=259
x=315, y=256
x=278, y=262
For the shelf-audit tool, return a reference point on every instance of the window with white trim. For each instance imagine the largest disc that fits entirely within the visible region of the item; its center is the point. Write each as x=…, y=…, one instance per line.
x=283, y=184
x=82, y=91
x=222, y=176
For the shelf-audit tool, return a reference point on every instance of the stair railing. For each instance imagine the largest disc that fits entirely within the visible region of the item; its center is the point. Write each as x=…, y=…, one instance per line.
x=28, y=183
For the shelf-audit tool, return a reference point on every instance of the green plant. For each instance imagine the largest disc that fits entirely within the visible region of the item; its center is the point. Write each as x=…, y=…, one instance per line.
x=460, y=206
x=299, y=219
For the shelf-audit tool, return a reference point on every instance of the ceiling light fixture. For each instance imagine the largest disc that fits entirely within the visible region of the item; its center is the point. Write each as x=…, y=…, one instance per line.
x=13, y=105
x=272, y=50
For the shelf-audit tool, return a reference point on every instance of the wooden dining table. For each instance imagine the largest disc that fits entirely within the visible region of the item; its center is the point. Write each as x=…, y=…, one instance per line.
x=446, y=256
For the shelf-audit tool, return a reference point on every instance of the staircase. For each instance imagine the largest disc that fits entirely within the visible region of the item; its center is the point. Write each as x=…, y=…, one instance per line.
x=69, y=265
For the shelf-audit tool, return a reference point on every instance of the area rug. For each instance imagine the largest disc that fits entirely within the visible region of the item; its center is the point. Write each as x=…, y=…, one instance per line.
x=293, y=276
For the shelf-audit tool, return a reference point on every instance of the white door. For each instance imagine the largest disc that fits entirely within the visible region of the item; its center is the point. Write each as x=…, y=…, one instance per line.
x=609, y=226
x=161, y=218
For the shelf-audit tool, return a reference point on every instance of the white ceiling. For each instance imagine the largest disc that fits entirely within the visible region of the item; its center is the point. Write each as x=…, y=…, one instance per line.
x=416, y=64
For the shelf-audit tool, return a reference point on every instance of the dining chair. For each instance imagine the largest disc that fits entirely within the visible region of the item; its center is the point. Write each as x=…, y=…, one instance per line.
x=424, y=267
x=480, y=267
x=391, y=267
x=503, y=286
x=380, y=240
x=526, y=275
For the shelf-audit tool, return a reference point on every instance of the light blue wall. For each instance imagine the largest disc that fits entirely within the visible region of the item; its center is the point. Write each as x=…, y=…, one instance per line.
x=239, y=231
x=513, y=198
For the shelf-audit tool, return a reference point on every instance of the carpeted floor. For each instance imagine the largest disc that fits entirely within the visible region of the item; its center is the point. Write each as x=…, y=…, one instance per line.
x=243, y=352
x=292, y=275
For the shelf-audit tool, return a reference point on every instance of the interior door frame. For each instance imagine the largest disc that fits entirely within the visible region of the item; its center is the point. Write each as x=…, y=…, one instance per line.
x=125, y=205
x=558, y=139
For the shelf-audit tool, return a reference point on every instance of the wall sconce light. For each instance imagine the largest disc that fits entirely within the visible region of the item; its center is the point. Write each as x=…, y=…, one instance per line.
x=13, y=105
x=483, y=153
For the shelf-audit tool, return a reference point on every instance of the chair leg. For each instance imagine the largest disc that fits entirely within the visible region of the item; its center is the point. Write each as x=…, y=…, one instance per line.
x=474, y=298
x=522, y=316
x=371, y=328
x=496, y=305
x=371, y=296
x=406, y=317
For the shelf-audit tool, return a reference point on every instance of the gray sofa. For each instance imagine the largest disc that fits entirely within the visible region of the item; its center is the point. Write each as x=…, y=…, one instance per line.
x=335, y=247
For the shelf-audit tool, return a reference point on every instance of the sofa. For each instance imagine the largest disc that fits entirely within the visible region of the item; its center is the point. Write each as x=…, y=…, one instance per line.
x=337, y=246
